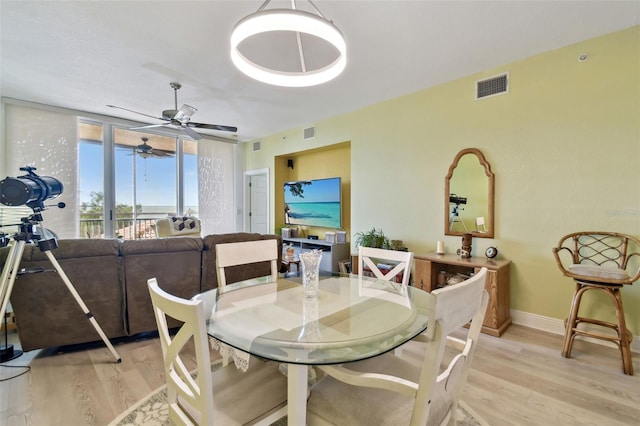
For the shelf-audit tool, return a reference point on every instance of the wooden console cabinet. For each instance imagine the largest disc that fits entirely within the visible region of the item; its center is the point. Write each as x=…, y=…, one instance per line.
x=429, y=266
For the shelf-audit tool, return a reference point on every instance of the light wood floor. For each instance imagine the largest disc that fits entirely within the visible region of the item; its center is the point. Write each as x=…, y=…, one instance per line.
x=518, y=379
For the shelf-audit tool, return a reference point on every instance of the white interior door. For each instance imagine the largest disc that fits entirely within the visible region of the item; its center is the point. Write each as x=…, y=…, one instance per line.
x=257, y=201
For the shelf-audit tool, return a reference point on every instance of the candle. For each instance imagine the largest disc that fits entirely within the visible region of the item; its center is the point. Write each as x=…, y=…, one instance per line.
x=440, y=247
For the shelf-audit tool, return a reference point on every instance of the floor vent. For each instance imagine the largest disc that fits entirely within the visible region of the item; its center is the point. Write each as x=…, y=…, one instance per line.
x=256, y=146
x=309, y=133
x=492, y=86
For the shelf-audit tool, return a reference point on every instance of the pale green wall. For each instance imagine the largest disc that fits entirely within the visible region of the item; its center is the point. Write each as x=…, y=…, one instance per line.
x=564, y=144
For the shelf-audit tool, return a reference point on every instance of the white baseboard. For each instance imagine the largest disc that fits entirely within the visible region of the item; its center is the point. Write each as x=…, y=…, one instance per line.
x=556, y=326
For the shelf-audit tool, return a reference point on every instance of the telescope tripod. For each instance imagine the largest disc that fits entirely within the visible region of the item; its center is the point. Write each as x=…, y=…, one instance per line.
x=455, y=218
x=8, y=277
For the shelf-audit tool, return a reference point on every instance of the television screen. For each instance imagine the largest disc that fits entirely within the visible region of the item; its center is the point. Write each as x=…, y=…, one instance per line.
x=313, y=203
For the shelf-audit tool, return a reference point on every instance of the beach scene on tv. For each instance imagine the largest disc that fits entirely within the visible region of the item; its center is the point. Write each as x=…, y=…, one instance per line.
x=313, y=203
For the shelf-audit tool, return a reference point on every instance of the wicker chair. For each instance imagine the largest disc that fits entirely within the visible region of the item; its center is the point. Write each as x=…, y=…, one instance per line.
x=599, y=261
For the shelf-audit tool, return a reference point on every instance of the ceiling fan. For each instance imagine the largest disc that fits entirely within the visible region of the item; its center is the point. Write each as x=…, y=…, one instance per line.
x=145, y=150
x=179, y=119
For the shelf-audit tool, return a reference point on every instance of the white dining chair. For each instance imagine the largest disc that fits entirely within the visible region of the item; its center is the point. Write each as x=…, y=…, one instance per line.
x=410, y=389
x=226, y=396
x=373, y=260
x=229, y=255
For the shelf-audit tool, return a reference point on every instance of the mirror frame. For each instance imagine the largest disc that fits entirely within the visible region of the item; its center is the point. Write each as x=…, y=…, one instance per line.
x=489, y=222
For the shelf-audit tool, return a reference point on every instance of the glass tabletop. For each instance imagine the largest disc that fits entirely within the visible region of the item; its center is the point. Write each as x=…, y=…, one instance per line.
x=350, y=319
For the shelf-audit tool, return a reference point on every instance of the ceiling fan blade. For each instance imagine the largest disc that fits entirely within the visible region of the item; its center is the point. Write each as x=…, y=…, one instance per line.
x=212, y=127
x=162, y=153
x=136, y=112
x=154, y=153
x=191, y=133
x=149, y=126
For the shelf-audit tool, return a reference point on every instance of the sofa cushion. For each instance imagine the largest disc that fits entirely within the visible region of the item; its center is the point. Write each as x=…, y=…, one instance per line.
x=598, y=272
x=174, y=262
x=75, y=248
x=160, y=245
x=178, y=226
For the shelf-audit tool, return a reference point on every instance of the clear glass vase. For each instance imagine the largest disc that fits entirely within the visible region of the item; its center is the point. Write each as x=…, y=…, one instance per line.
x=310, y=262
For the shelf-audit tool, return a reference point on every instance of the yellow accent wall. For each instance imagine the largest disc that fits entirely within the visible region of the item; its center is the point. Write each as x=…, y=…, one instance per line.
x=564, y=144
x=326, y=162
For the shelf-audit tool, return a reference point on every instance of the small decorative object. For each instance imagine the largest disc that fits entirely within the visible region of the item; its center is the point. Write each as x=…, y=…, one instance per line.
x=341, y=236
x=290, y=252
x=395, y=244
x=491, y=252
x=465, y=251
x=442, y=279
x=286, y=232
x=310, y=261
x=330, y=237
x=456, y=279
x=440, y=247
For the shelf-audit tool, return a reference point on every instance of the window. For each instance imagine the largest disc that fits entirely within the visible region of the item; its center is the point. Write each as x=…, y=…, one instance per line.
x=103, y=170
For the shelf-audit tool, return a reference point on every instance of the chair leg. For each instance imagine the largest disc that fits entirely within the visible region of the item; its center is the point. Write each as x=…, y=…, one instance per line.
x=623, y=334
x=572, y=321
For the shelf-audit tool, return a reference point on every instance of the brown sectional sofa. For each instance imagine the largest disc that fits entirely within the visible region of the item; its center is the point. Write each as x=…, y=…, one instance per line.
x=111, y=278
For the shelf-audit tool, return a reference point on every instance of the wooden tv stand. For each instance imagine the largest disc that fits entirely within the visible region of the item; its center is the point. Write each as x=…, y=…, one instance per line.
x=498, y=318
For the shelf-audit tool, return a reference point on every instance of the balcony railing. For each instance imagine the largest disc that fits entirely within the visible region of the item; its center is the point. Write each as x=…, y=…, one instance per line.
x=126, y=229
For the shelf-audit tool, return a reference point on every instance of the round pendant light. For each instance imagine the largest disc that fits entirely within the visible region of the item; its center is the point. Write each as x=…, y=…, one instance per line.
x=292, y=20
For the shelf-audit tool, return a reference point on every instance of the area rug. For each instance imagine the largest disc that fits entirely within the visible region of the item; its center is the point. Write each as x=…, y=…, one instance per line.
x=153, y=410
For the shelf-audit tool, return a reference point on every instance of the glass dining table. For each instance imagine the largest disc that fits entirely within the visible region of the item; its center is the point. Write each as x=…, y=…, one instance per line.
x=352, y=318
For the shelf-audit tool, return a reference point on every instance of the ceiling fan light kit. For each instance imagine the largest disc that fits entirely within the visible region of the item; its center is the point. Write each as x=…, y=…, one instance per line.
x=293, y=20
x=145, y=150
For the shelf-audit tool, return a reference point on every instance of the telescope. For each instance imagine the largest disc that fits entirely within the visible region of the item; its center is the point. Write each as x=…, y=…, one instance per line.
x=33, y=190
x=453, y=198
x=30, y=190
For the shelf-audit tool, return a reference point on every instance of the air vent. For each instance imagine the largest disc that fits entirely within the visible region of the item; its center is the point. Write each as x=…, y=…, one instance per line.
x=256, y=146
x=309, y=133
x=492, y=86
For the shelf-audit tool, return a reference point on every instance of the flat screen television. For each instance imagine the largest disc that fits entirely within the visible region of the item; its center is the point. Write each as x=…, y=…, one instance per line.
x=314, y=202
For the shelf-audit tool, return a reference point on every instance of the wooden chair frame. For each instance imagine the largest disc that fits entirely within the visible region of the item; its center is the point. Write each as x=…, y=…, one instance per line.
x=607, y=256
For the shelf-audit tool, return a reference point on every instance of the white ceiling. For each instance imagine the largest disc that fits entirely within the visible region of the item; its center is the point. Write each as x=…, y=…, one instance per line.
x=84, y=55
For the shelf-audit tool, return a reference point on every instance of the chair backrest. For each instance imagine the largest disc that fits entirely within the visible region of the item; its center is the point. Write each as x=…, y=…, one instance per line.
x=190, y=399
x=242, y=253
x=452, y=307
x=373, y=259
x=599, y=256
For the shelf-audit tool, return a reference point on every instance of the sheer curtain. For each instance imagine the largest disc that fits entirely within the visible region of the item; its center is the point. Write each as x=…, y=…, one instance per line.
x=47, y=141
x=216, y=186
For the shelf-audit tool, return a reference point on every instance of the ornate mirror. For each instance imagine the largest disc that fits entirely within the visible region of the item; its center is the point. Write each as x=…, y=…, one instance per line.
x=469, y=195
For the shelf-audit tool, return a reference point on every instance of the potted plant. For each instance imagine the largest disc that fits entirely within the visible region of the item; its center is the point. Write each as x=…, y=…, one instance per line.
x=373, y=238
